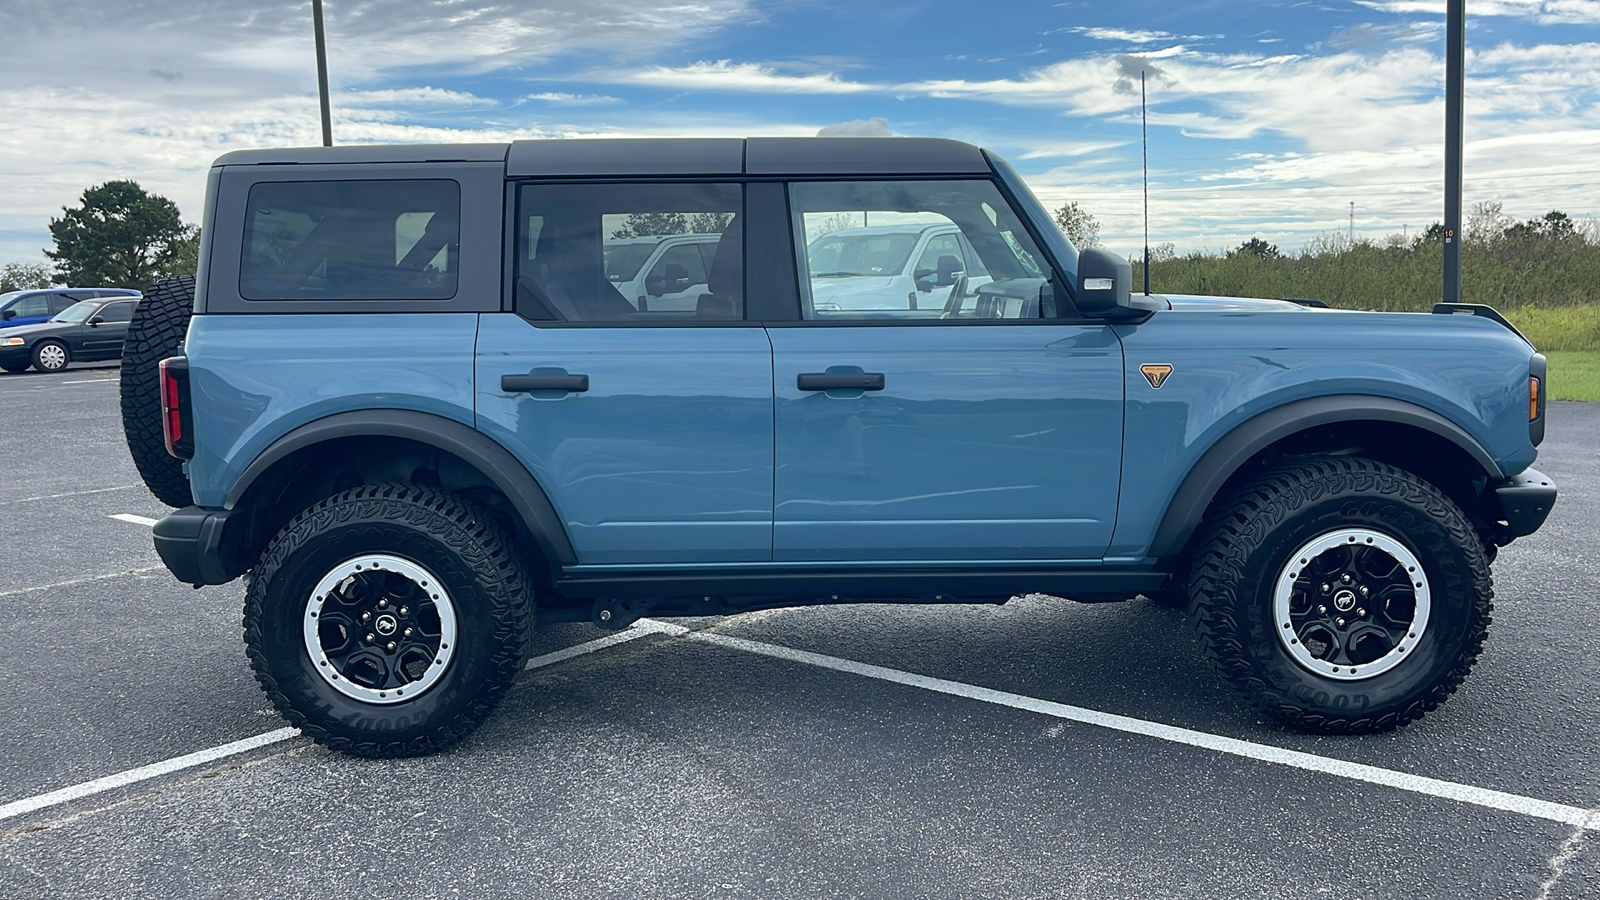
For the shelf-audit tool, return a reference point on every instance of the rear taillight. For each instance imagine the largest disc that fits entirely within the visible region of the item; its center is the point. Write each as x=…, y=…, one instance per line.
x=176, y=423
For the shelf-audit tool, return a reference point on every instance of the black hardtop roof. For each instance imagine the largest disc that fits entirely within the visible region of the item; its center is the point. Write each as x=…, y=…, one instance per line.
x=621, y=157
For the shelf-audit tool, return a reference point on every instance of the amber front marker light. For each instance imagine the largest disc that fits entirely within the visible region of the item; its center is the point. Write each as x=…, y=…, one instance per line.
x=1533, y=398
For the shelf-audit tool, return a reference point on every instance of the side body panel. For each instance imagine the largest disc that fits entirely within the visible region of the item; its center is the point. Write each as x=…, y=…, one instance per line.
x=665, y=458
x=986, y=443
x=1230, y=366
x=253, y=379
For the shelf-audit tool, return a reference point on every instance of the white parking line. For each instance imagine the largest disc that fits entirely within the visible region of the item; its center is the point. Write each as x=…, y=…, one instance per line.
x=146, y=521
x=1578, y=817
x=1432, y=787
x=74, y=493
x=77, y=581
x=143, y=773
x=213, y=754
x=639, y=629
x=90, y=381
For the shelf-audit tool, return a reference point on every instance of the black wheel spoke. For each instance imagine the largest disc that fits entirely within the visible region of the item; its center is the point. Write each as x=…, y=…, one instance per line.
x=1352, y=603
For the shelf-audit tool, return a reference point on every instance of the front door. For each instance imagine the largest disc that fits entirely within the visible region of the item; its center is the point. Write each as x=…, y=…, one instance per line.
x=977, y=429
x=104, y=339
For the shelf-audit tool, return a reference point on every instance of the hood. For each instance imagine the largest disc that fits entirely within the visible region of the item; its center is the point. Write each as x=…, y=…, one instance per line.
x=841, y=287
x=1231, y=304
x=36, y=328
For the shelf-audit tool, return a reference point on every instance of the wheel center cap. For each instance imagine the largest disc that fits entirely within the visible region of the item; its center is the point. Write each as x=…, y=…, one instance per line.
x=387, y=624
x=1344, y=600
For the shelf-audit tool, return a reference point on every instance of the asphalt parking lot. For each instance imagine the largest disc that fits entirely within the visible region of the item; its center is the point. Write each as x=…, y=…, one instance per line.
x=1039, y=749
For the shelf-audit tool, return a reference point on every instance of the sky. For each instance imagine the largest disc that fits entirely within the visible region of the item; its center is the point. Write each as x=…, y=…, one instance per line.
x=1266, y=119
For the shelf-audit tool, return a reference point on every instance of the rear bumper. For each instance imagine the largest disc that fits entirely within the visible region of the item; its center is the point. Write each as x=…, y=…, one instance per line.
x=1524, y=501
x=194, y=543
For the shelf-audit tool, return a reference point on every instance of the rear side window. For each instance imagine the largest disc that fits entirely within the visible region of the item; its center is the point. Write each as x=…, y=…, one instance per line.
x=351, y=240
x=117, y=312
x=637, y=254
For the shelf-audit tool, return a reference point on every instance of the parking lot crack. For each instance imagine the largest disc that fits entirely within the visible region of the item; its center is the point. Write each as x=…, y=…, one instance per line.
x=1569, y=849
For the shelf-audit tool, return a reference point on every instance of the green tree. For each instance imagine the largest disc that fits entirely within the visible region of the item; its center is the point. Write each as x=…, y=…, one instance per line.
x=1258, y=248
x=1078, y=224
x=121, y=235
x=651, y=224
x=15, y=276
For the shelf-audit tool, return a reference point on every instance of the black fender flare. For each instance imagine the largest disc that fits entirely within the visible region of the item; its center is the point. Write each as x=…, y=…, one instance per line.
x=1234, y=449
x=505, y=471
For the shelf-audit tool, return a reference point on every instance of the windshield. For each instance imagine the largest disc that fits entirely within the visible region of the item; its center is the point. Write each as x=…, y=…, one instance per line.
x=78, y=312
x=623, y=261
x=8, y=296
x=838, y=255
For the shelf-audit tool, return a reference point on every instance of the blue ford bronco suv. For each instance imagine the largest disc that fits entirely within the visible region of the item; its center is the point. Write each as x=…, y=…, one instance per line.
x=404, y=400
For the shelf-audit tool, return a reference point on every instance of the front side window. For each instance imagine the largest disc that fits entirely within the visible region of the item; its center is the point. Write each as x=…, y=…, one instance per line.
x=630, y=253
x=351, y=240
x=857, y=240
x=32, y=305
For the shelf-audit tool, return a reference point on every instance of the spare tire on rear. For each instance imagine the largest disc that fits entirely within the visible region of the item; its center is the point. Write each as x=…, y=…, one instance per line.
x=159, y=323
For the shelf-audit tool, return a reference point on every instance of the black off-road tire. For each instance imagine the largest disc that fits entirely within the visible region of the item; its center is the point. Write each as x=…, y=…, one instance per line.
x=487, y=586
x=159, y=323
x=1245, y=549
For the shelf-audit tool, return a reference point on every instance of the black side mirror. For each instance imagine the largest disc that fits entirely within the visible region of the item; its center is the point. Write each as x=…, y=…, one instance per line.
x=8, y=315
x=1105, y=284
x=94, y=321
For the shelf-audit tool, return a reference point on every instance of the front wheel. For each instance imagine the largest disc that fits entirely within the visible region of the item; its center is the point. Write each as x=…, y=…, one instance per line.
x=388, y=620
x=50, y=356
x=1341, y=595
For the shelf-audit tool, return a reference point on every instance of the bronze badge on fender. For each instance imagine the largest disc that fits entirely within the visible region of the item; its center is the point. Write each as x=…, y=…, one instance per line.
x=1156, y=373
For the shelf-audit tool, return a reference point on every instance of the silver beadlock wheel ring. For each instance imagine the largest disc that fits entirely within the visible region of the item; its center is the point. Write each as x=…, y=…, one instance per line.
x=1351, y=604
x=380, y=629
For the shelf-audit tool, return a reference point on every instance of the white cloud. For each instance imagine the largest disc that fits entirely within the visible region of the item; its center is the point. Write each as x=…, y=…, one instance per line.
x=726, y=75
x=1129, y=36
x=874, y=127
x=1545, y=12
x=557, y=98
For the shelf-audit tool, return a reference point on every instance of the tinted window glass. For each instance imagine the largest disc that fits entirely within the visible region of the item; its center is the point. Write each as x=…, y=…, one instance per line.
x=586, y=250
x=351, y=240
x=32, y=305
x=117, y=312
x=856, y=239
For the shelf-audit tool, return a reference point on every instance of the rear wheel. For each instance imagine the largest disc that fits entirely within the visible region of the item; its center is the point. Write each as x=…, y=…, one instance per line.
x=159, y=323
x=388, y=620
x=50, y=356
x=1341, y=594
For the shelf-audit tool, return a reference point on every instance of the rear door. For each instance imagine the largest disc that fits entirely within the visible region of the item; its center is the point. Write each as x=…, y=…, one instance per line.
x=650, y=430
x=980, y=433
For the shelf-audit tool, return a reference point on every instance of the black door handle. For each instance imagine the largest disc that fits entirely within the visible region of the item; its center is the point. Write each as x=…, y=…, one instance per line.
x=819, y=381
x=516, y=383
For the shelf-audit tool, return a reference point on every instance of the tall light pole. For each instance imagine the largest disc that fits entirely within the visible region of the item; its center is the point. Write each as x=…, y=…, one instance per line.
x=1454, y=89
x=322, y=73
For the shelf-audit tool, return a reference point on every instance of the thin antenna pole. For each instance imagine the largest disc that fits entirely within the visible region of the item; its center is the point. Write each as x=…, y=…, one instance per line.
x=1454, y=89
x=322, y=72
x=1144, y=140
x=1352, y=223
